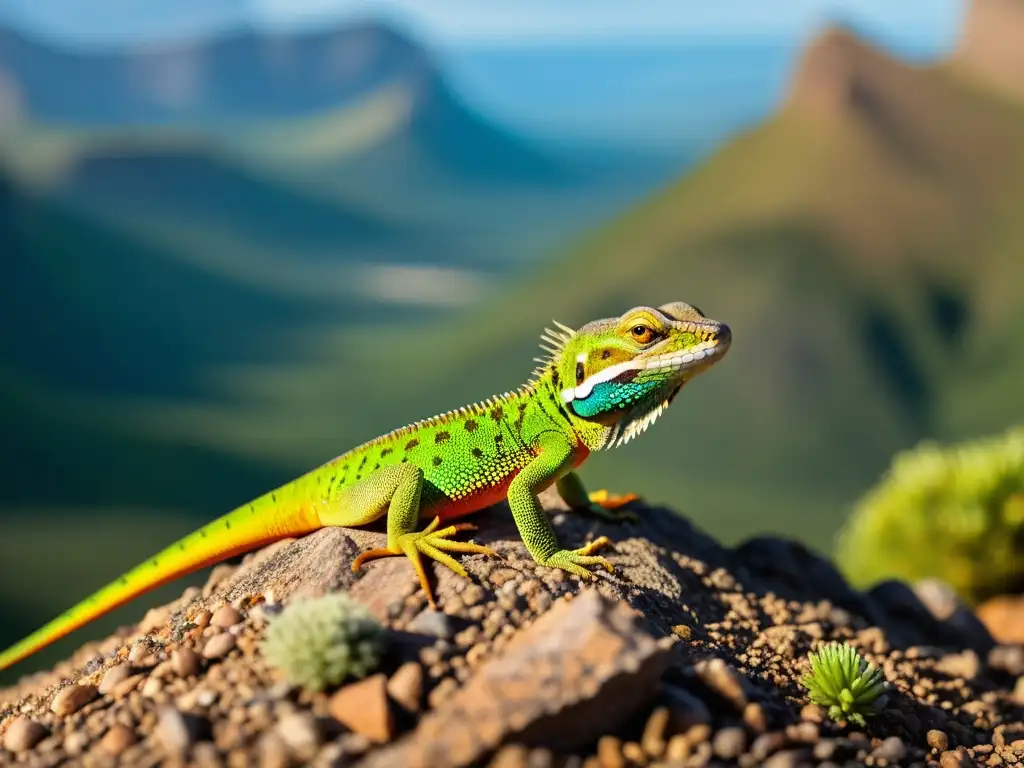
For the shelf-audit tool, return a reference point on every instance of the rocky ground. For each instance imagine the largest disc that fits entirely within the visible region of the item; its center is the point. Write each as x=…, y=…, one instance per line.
x=689, y=655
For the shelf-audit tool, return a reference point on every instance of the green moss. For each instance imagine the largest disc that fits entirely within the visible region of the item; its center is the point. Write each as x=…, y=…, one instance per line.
x=955, y=513
x=320, y=642
x=845, y=684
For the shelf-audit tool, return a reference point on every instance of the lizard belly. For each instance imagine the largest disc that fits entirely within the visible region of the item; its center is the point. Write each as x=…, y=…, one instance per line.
x=452, y=508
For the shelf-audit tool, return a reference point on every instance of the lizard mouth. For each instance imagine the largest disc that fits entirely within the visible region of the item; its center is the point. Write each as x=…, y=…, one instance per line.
x=694, y=358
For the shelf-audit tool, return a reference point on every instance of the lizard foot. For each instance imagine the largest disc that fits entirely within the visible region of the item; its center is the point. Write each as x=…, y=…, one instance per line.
x=576, y=560
x=434, y=544
x=608, y=507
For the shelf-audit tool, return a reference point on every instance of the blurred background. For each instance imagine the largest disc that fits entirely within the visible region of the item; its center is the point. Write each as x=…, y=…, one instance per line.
x=239, y=238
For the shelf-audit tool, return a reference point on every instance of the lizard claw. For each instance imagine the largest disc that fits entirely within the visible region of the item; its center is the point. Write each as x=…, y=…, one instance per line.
x=434, y=544
x=608, y=507
x=575, y=560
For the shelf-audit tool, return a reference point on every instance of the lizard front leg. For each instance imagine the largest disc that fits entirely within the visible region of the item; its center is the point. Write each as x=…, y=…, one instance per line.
x=397, y=490
x=600, y=504
x=534, y=526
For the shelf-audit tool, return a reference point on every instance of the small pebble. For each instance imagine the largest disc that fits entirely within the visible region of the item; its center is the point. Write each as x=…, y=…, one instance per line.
x=126, y=686
x=609, y=752
x=140, y=655
x=433, y=623
x=225, y=617
x=891, y=749
x=363, y=707
x=23, y=734
x=729, y=743
x=113, y=676
x=117, y=739
x=185, y=662
x=406, y=687
x=766, y=744
x=73, y=698
x=724, y=680
x=173, y=731
x=299, y=732
x=938, y=740
x=219, y=646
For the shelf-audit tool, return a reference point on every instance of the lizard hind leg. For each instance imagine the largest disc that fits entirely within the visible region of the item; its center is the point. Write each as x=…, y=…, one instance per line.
x=397, y=490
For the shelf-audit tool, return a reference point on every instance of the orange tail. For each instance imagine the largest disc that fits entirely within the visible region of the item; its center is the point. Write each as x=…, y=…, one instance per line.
x=242, y=530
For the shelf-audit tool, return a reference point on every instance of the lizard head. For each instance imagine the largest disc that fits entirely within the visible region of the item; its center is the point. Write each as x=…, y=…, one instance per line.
x=619, y=374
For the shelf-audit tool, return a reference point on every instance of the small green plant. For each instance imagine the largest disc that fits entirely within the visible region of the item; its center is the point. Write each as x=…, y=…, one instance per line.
x=845, y=684
x=950, y=512
x=321, y=641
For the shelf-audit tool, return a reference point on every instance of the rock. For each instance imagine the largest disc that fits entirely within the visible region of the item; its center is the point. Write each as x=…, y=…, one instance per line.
x=433, y=623
x=655, y=731
x=937, y=740
x=219, y=646
x=1007, y=658
x=113, y=676
x=965, y=665
x=891, y=749
x=957, y=758
x=766, y=744
x=117, y=739
x=512, y=756
x=723, y=680
x=184, y=662
x=177, y=732
x=73, y=698
x=1003, y=616
x=126, y=686
x=299, y=732
x=273, y=752
x=581, y=669
x=754, y=717
x=23, y=734
x=363, y=707
x=225, y=617
x=314, y=564
x=406, y=687
x=609, y=752
x=812, y=713
x=790, y=758
x=729, y=743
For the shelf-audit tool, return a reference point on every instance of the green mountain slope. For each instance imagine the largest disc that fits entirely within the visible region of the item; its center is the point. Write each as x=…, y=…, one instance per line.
x=865, y=245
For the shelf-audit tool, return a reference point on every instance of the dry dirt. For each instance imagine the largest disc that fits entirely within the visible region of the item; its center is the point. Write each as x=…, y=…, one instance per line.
x=689, y=655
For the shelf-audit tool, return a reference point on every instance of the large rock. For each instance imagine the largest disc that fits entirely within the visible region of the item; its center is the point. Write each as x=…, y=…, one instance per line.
x=582, y=669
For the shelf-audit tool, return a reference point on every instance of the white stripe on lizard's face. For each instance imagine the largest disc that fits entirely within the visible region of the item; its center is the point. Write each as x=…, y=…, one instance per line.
x=675, y=360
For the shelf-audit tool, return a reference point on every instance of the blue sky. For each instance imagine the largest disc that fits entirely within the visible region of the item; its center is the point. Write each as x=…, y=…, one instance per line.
x=490, y=23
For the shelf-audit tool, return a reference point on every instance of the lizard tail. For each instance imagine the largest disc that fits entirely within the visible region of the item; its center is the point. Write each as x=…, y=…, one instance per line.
x=265, y=520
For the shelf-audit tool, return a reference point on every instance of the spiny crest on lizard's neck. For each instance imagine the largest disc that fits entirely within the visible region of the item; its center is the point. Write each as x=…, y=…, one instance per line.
x=614, y=377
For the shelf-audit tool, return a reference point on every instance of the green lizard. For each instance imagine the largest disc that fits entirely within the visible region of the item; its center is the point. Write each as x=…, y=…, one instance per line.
x=599, y=387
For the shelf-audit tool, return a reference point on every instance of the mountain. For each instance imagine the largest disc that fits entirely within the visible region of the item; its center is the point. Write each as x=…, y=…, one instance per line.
x=243, y=81
x=990, y=47
x=865, y=246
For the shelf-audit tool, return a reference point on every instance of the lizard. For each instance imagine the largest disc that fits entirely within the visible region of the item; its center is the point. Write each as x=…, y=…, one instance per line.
x=597, y=387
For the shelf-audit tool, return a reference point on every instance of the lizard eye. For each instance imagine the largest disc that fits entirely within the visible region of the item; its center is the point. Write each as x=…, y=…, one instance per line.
x=641, y=333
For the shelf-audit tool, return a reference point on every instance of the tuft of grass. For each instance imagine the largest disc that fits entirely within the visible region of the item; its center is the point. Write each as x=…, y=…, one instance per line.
x=845, y=684
x=319, y=642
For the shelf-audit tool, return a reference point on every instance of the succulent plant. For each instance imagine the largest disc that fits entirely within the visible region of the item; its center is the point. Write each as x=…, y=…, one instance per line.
x=321, y=641
x=955, y=513
x=845, y=684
